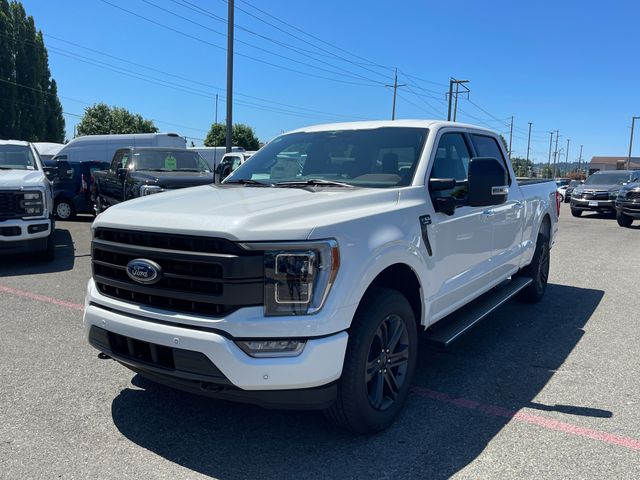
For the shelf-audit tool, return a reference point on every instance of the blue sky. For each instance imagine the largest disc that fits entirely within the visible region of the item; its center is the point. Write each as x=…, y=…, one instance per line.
x=567, y=65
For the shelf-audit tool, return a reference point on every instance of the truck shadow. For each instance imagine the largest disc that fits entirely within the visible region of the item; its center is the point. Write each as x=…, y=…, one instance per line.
x=504, y=362
x=27, y=264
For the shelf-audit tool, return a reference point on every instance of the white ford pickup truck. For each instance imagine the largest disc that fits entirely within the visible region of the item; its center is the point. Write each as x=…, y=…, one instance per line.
x=26, y=204
x=302, y=281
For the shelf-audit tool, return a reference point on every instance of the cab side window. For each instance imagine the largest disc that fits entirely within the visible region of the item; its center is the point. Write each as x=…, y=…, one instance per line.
x=451, y=161
x=117, y=161
x=487, y=146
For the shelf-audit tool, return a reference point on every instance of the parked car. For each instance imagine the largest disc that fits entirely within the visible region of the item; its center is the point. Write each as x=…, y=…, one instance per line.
x=47, y=150
x=230, y=162
x=136, y=172
x=73, y=194
x=303, y=279
x=26, y=202
x=628, y=204
x=213, y=155
x=100, y=148
x=599, y=191
x=562, y=192
x=569, y=190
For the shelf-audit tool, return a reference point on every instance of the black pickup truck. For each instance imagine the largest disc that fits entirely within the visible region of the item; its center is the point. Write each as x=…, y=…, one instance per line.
x=136, y=172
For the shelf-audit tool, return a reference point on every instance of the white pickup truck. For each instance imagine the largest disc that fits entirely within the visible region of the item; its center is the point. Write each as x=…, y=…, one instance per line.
x=302, y=280
x=26, y=204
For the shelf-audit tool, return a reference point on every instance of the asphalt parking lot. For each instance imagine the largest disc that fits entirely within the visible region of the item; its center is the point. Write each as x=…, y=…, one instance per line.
x=548, y=390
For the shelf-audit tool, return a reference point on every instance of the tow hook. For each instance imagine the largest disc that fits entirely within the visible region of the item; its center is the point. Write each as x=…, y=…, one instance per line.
x=103, y=356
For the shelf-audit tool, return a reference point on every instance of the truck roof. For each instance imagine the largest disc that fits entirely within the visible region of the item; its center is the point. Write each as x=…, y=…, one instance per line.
x=14, y=142
x=365, y=125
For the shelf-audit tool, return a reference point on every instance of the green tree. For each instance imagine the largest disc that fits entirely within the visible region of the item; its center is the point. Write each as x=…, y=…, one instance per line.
x=242, y=136
x=101, y=119
x=31, y=108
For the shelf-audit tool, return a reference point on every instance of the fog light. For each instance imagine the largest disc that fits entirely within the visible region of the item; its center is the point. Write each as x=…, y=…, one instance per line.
x=272, y=348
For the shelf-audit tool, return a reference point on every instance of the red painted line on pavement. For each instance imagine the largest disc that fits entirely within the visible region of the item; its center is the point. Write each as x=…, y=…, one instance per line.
x=494, y=410
x=524, y=417
x=40, y=298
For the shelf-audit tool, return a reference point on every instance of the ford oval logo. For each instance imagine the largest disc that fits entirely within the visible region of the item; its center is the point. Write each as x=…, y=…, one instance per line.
x=144, y=271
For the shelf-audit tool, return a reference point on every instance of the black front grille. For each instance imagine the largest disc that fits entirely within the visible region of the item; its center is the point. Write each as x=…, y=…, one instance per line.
x=10, y=231
x=596, y=196
x=633, y=196
x=10, y=205
x=200, y=275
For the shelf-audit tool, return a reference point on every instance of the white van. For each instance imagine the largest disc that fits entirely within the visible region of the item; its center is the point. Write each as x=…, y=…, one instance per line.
x=213, y=155
x=101, y=148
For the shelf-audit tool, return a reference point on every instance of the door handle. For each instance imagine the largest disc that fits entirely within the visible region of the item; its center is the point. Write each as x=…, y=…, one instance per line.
x=519, y=205
x=489, y=213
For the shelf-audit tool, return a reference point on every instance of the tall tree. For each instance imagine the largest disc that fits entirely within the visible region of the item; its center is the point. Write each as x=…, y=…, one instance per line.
x=7, y=73
x=31, y=109
x=242, y=136
x=101, y=119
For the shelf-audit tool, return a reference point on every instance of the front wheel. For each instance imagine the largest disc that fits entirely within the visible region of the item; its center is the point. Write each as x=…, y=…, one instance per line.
x=379, y=363
x=624, y=220
x=538, y=270
x=560, y=198
x=64, y=210
x=576, y=213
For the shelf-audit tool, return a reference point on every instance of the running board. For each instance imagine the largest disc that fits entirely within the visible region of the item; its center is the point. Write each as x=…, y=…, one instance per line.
x=455, y=324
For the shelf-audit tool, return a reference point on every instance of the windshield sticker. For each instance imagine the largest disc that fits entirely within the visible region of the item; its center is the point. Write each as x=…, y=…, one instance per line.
x=170, y=162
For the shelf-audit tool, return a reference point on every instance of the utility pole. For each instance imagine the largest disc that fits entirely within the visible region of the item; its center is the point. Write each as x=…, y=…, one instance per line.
x=395, y=90
x=510, y=135
x=555, y=154
x=580, y=161
x=566, y=158
x=230, y=11
x=550, y=144
x=529, y=142
x=453, y=94
x=633, y=122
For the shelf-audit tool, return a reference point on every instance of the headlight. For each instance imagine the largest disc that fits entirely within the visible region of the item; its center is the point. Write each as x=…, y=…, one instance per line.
x=149, y=189
x=297, y=276
x=32, y=204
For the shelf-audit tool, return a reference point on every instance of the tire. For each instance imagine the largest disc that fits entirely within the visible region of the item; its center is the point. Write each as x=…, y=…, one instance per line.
x=538, y=270
x=49, y=254
x=369, y=395
x=64, y=210
x=624, y=220
x=561, y=198
x=576, y=213
x=567, y=199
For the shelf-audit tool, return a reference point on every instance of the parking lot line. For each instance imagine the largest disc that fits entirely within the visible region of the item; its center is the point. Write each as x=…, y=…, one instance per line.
x=529, y=418
x=487, y=409
x=39, y=298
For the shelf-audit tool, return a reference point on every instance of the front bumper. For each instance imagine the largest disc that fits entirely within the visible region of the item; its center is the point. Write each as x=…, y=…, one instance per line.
x=21, y=236
x=593, y=205
x=222, y=370
x=631, y=209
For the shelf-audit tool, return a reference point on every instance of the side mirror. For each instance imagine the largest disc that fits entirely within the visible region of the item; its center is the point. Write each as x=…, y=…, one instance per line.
x=122, y=173
x=446, y=205
x=50, y=172
x=488, y=182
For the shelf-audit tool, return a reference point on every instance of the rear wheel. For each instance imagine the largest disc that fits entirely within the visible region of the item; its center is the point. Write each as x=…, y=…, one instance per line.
x=576, y=213
x=379, y=363
x=538, y=270
x=624, y=220
x=560, y=198
x=64, y=210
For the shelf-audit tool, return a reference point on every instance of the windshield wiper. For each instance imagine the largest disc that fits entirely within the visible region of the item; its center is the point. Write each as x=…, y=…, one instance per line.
x=153, y=170
x=11, y=168
x=313, y=182
x=247, y=181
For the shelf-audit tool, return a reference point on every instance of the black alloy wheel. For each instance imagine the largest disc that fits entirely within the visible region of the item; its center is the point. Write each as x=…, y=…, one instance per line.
x=387, y=362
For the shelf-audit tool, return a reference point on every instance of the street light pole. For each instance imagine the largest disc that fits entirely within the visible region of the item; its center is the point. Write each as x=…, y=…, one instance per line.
x=633, y=122
x=230, y=12
x=529, y=142
x=550, y=145
x=580, y=161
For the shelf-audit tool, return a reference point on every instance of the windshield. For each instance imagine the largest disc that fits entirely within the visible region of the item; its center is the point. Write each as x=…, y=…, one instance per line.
x=377, y=158
x=608, y=178
x=17, y=157
x=169, y=160
x=574, y=183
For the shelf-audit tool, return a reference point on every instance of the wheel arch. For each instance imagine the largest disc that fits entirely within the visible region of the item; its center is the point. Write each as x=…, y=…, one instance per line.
x=402, y=278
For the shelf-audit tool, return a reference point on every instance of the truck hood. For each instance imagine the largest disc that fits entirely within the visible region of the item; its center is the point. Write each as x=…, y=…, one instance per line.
x=173, y=179
x=16, y=179
x=599, y=188
x=247, y=213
